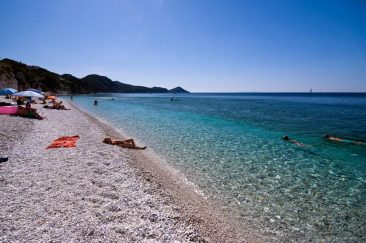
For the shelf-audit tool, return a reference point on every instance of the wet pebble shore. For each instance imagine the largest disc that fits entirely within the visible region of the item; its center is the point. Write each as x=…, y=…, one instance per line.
x=88, y=193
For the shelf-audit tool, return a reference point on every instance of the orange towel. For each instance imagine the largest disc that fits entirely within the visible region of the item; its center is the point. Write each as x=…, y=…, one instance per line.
x=64, y=142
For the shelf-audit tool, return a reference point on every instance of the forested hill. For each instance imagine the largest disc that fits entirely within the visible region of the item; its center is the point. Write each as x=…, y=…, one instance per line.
x=20, y=76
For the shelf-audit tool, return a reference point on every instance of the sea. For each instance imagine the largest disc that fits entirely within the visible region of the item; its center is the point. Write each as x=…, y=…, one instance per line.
x=230, y=145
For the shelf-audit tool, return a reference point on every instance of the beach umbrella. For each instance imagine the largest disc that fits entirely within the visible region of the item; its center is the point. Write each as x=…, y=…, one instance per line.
x=7, y=91
x=36, y=90
x=28, y=93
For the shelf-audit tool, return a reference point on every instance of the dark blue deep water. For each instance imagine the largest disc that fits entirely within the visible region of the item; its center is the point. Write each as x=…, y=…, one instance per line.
x=230, y=146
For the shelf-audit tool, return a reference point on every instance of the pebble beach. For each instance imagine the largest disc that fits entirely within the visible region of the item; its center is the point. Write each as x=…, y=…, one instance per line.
x=96, y=192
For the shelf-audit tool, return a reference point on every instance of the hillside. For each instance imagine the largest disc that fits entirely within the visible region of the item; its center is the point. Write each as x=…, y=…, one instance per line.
x=21, y=76
x=178, y=90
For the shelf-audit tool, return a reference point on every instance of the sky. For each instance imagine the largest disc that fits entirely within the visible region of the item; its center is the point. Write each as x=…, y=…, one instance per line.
x=200, y=45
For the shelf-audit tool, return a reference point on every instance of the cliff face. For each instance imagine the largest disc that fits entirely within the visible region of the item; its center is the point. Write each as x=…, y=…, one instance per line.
x=7, y=78
x=20, y=76
x=25, y=77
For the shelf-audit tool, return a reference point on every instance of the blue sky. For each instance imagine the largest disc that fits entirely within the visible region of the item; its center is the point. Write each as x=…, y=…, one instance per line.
x=201, y=45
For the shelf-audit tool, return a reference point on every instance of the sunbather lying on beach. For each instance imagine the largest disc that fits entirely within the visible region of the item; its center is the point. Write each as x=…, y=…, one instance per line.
x=343, y=140
x=43, y=101
x=28, y=112
x=129, y=143
x=286, y=138
x=56, y=105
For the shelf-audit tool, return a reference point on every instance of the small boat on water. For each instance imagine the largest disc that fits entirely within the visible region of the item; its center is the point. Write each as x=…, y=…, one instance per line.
x=8, y=110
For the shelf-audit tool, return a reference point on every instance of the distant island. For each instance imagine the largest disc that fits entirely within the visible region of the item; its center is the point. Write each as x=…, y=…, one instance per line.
x=20, y=76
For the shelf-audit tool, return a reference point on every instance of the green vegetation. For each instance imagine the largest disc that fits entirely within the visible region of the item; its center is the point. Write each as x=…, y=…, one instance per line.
x=24, y=77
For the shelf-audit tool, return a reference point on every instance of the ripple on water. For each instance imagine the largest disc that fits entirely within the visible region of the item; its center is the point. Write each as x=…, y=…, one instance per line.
x=232, y=149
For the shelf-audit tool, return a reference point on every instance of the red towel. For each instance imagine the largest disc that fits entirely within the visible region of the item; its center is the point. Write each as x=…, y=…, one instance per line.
x=64, y=142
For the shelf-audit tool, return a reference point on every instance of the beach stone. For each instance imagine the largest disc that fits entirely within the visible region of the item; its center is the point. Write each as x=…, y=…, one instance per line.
x=89, y=193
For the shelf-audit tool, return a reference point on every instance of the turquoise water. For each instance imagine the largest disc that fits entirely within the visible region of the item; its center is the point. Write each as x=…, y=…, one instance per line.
x=230, y=146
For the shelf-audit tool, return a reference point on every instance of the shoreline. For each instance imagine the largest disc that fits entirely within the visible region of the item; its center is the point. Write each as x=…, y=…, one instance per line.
x=188, y=215
x=216, y=225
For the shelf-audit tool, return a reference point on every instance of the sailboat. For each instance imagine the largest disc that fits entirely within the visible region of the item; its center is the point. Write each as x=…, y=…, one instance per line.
x=311, y=91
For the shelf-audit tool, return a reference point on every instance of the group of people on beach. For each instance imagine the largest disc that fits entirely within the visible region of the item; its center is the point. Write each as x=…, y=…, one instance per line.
x=328, y=137
x=29, y=112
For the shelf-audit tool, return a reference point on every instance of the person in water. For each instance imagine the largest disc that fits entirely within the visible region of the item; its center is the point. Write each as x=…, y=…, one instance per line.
x=95, y=102
x=287, y=139
x=129, y=143
x=342, y=140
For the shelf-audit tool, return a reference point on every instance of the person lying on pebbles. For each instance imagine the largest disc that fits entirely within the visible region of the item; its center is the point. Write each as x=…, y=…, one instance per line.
x=129, y=143
x=56, y=105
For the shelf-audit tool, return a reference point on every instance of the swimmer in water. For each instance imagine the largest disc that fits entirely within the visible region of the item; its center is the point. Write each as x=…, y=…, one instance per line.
x=343, y=140
x=287, y=139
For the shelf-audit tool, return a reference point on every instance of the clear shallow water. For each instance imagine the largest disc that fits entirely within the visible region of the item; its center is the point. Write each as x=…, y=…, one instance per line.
x=230, y=145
